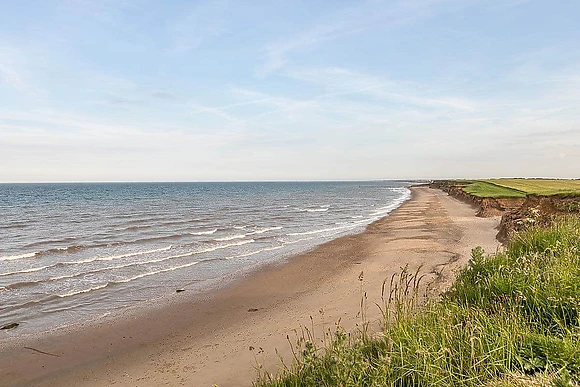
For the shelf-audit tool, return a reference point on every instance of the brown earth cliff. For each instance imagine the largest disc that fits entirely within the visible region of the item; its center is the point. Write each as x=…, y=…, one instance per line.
x=516, y=213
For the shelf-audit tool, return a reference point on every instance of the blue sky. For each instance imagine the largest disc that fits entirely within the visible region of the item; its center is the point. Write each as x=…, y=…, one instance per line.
x=137, y=90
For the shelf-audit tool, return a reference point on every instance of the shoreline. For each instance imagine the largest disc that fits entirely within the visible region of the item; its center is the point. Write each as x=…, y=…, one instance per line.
x=132, y=256
x=140, y=309
x=194, y=341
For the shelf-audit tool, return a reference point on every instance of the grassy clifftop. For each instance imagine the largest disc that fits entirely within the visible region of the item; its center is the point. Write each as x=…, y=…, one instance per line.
x=510, y=319
x=540, y=187
x=518, y=188
x=486, y=189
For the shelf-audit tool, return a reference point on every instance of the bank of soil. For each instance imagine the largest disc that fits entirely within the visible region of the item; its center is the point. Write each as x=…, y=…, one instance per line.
x=516, y=213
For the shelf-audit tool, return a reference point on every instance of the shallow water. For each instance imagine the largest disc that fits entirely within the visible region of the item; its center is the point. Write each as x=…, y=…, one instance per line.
x=73, y=252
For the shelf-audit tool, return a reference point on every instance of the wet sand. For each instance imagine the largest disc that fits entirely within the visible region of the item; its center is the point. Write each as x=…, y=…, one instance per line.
x=220, y=338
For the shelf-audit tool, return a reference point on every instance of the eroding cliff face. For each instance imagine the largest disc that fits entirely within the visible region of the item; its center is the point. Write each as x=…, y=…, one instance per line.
x=456, y=191
x=536, y=210
x=497, y=207
x=516, y=213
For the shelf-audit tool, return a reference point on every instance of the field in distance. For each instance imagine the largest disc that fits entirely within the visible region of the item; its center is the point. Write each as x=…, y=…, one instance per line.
x=520, y=188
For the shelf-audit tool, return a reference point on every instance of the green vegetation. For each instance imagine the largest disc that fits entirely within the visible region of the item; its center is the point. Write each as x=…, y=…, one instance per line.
x=510, y=319
x=542, y=187
x=489, y=190
x=518, y=188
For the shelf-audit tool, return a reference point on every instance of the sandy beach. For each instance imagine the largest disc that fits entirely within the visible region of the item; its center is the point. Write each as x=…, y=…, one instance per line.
x=221, y=337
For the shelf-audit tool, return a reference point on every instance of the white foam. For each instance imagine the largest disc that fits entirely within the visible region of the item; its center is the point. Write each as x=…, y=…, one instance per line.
x=230, y=238
x=255, y=252
x=399, y=189
x=204, y=232
x=25, y=271
x=265, y=230
x=241, y=243
x=382, y=211
x=128, y=279
x=112, y=268
x=162, y=270
x=156, y=272
x=83, y=291
x=318, y=231
x=320, y=209
x=110, y=258
x=134, y=254
x=317, y=210
x=218, y=247
x=20, y=256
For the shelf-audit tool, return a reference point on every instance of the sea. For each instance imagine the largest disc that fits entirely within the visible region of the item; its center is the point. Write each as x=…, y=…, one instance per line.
x=73, y=253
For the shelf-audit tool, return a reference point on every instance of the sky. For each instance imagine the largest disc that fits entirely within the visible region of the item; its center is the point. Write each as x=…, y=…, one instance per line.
x=142, y=90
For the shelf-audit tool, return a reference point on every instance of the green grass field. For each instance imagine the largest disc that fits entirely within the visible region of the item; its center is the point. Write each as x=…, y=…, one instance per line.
x=519, y=188
x=510, y=319
x=543, y=187
x=489, y=190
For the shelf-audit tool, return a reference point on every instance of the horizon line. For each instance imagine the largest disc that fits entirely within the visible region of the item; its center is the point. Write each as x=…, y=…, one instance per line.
x=279, y=180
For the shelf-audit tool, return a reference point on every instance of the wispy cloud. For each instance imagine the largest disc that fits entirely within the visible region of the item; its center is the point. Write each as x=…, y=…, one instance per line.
x=344, y=82
x=347, y=21
x=10, y=60
x=253, y=97
x=12, y=78
x=65, y=128
x=277, y=52
x=220, y=112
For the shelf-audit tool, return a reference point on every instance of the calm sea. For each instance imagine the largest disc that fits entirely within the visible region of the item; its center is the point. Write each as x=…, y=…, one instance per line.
x=74, y=252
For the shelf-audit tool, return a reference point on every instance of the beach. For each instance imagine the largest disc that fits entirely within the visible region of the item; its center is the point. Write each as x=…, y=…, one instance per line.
x=219, y=338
